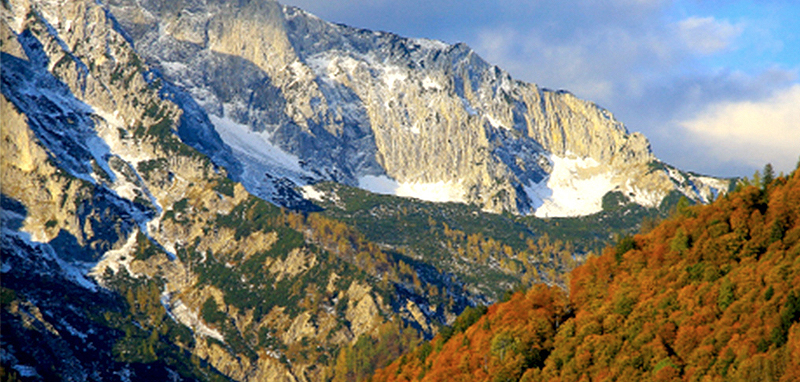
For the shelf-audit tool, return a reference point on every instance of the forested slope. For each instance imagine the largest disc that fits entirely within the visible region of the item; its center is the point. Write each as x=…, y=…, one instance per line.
x=712, y=294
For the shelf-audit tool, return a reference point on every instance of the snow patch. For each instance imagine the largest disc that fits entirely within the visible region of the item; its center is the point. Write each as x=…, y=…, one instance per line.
x=174, y=68
x=116, y=259
x=327, y=65
x=378, y=184
x=112, y=119
x=468, y=107
x=712, y=187
x=675, y=175
x=101, y=152
x=429, y=83
x=267, y=169
x=496, y=123
x=253, y=145
x=181, y=313
x=642, y=197
x=568, y=191
x=126, y=190
x=697, y=187
x=309, y=192
x=319, y=64
x=204, y=97
x=393, y=75
x=432, y=192
x=75, y=272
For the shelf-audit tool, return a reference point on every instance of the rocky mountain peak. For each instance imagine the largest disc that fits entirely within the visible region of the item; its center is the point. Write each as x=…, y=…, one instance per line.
x=141, y=138
x=411, y=117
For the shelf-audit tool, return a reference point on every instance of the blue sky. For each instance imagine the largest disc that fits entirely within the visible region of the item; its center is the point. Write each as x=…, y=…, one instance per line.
x=714, y=84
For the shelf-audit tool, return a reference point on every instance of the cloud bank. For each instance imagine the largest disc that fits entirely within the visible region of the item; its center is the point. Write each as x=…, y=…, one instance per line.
x=753, y=132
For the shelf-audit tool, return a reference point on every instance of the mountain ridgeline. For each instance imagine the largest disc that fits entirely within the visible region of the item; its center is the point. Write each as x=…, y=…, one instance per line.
x=412, y=117
x=711, y=294
x=127, y=252
x=187, y=191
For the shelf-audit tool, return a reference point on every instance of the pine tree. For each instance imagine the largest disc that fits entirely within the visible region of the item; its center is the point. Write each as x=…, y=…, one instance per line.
x=768, y=175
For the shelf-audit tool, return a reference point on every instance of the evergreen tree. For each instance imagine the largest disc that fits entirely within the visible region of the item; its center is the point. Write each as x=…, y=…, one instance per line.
x=768, y=175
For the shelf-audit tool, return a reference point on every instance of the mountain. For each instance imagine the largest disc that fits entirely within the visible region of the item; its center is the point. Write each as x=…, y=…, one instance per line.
x=710, y=294
x=152, y=223
x=127, y=253
x=300, y=100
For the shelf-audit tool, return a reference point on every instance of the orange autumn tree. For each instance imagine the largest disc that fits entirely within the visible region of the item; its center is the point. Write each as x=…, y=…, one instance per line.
x=508, y=339
x=712, y=294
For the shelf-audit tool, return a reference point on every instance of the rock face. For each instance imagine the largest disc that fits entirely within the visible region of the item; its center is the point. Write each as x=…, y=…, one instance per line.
x=127, y=253
x=411, y=117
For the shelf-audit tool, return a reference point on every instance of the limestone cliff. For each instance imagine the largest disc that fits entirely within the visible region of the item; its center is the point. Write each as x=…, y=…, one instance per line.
x=411, y=117
x=129, y=249
x=125, y=251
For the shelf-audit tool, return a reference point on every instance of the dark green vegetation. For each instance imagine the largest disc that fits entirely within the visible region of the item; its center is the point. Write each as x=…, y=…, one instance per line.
x=490, y=253
x=453, y=238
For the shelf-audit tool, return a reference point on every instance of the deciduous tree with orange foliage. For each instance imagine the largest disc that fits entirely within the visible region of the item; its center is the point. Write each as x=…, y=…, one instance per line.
x=711, y=294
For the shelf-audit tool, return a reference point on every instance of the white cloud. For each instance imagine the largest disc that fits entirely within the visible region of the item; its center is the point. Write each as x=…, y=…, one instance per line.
x=753, y=132
x=707, y=35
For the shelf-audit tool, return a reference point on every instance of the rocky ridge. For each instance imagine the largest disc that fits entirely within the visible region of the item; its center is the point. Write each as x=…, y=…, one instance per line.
x=411, y=117
x=116, y=181
x=172, y=270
